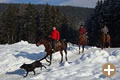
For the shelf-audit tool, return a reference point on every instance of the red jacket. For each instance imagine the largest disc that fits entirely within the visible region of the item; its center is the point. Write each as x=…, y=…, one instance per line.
x=55, y=35
x=82, y=31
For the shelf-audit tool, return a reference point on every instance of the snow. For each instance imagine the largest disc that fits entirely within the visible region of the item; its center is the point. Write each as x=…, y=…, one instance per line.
x=86, y=66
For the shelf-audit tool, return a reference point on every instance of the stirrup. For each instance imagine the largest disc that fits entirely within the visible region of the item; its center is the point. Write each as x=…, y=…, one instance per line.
x=53, y=50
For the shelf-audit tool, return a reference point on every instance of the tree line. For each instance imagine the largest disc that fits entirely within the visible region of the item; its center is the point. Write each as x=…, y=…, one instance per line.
x=27, y=23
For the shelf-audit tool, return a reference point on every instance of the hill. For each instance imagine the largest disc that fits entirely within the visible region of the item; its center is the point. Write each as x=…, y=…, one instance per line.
x=75, y=15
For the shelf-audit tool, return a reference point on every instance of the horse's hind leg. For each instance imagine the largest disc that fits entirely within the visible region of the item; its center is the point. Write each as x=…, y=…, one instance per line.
x=79, y=49
x=50, y=59
x=109, y=45
x=66, y=55
x=83, y=48
x=47, y=60
x=101, y=45
x=61, y=56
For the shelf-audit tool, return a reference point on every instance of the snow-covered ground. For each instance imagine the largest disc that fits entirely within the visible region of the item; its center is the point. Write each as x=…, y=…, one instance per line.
x=86, y=66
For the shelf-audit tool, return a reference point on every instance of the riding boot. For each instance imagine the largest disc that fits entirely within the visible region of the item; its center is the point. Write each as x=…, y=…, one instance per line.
x=54, y=45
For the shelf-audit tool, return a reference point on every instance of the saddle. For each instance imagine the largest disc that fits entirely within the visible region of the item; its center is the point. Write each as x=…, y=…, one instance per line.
x=58, y=43
x=83, y=36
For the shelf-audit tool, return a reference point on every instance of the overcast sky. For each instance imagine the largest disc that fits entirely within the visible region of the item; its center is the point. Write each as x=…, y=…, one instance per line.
x=79, y=3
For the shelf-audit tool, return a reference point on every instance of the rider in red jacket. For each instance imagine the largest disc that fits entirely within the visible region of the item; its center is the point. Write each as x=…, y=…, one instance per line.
x=82, y=30
x=55, y=36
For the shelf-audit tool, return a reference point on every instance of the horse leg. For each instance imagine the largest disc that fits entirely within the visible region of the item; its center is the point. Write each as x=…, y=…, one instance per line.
x=109, y=41
x=66, y=54
x=104, y=44
x=50, y=59
x=79, y=49
x=109, y=44
x=101, y=45
x=61, y=56
x=82, y=48
x=47, y=60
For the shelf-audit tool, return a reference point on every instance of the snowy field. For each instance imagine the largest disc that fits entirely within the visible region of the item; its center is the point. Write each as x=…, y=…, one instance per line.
x=86, y=66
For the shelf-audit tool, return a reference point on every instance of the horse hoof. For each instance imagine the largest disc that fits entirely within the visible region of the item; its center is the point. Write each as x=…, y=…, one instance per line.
x=60, y=61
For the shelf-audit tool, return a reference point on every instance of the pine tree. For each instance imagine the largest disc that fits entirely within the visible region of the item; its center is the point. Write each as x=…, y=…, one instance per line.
x=93, y=24
x=55, y=16
x=45, y=21
x=9, y=24
x=21, y=22
x=30, y=26
x=64, y=28
x=49, y=18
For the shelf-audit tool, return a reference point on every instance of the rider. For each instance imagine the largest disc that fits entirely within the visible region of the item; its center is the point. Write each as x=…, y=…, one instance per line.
x=82, y=30
x=55, y=36
x=105, y=30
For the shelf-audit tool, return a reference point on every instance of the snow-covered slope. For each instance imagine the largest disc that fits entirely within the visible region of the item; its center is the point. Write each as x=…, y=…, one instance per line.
x=86, y=66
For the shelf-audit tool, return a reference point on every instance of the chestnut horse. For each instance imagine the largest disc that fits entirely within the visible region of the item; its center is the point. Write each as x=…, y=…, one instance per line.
x=105, y=40
x=82, y=40
x=60, y=46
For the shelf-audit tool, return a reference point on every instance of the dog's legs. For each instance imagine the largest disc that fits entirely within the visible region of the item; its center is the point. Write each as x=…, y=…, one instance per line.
x=41, y=67
x=26, y=74
x=34, y=72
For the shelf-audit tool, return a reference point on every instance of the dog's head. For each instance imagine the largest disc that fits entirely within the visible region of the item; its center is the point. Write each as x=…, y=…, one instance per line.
x=23, y=66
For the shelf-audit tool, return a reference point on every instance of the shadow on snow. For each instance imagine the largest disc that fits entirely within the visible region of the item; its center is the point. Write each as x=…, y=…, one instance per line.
x=17, y=72
x=31, y=56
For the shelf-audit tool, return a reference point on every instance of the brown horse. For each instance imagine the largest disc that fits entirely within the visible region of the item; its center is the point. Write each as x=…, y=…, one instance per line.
x=105, y=40
x=82, y=40
x=60, y=46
